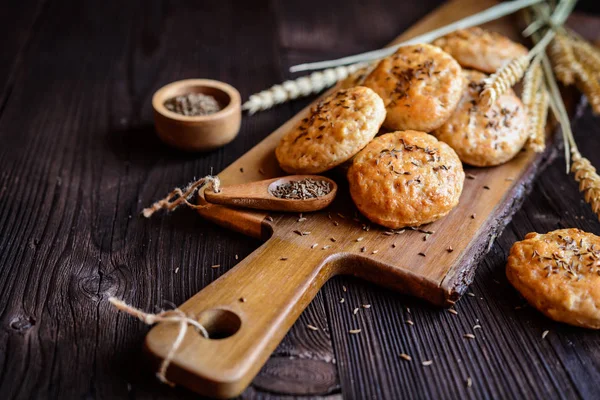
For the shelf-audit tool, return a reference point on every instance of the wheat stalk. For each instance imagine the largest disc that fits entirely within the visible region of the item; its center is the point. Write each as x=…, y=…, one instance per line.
x=479, y=18
x=301, y=87
x=589, y=181
x=539, y=114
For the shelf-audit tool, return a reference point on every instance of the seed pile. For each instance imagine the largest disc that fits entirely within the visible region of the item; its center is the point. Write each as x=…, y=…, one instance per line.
x=301, y=190
x=193, y=104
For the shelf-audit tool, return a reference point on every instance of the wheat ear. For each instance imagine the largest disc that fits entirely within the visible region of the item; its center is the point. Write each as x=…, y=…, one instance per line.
x=588, y=56
x=539, y=113
x=563, y=59
x=503, y=79
x=531, y=83
x=589, y=181
x=588, y=83
x=301, y=87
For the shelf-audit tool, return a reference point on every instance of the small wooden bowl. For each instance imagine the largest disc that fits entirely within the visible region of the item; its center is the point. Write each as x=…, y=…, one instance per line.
x=199, y=133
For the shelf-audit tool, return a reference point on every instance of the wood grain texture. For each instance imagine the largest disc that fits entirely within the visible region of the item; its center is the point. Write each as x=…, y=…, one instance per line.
x=79, y=156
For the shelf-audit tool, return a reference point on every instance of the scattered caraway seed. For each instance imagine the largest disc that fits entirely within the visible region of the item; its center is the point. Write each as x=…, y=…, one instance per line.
x=422, y=254
x=333, y=239
x=301, y=219
x=449, y=249
x=366, y=306
x=326, y=247
x=242, y=170
x=469, y=336
x=237, y=257
x=408, y=310
x=312, y=327
x=405, y=356
x=355, y=310
x=471, y=294
x=388, y=233
x=452, y=311
x=344, y=288
x=363, y=249
x=427, y=363
x=283, y=258
x=216, y=266
x=359, y=239
x=394, y=245
x=341, y=215
x=177, y=270
x=473, y=216
x=486, y=187
x=314, y=245
x=477, y=327
x=342, y=300
x=469, y=382
x=354, y=331
x=544, y=334
x=470, y=176
x=375, y=252
x=409, y=322
x=336, y=223
x=242, y=299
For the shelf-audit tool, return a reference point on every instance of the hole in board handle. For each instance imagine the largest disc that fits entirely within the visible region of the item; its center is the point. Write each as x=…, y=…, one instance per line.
x=220, y=323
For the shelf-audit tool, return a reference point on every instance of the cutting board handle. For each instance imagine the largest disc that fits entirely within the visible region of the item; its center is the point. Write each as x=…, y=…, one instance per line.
x=247, y=312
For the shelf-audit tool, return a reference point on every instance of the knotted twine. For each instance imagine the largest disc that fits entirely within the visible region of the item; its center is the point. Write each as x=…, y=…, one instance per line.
x=175, y=315
x=173, y=200
x=181, y=196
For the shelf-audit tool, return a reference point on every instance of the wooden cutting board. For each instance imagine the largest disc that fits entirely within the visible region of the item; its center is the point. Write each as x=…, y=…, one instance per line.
x=249, y=309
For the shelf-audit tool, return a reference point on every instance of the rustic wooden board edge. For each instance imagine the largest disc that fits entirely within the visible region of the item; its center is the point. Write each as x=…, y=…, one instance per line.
x=458, y=279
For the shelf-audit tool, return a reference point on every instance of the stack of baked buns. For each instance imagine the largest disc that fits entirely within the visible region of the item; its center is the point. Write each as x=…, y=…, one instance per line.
x=427, y=98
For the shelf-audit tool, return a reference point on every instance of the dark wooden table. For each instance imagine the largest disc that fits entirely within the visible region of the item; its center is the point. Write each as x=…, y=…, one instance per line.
x=79, y=159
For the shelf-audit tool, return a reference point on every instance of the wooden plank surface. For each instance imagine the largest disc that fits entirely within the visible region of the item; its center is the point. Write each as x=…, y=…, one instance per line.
x=79, y=156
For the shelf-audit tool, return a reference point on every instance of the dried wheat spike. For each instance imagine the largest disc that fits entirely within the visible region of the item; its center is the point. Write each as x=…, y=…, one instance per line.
x=589, y=181
x=563, y=59
x=503, y=79
x=531, y=84
x=587, y=55
x=589, y=85
x=537, y=140
x=301, y=87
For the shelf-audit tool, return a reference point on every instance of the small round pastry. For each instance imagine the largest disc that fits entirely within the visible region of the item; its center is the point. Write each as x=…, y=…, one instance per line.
x=485, y=138
x=480, y=49
x=559, y=274
x=420, y=85
x=337, y=128
x=405, y=178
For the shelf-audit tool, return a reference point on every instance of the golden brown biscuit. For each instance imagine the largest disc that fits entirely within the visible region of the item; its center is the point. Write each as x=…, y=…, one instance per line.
x=480, y=49
x=406, y=178
x=420, y=85
x=559, y=274
x=337, y=128
x=485, y=138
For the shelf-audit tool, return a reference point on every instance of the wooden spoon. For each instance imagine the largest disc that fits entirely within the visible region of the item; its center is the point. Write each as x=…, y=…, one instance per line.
x=258, y=195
